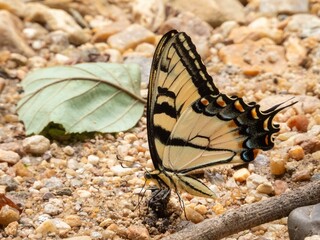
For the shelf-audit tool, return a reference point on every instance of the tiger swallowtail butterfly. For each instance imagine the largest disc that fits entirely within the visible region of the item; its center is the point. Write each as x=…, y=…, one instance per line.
x=191, y=125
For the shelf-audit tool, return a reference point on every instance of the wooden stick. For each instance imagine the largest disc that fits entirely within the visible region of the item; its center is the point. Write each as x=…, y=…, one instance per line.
x=252, y=215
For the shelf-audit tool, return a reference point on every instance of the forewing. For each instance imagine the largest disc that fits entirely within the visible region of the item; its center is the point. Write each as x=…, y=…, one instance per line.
x=177, y=79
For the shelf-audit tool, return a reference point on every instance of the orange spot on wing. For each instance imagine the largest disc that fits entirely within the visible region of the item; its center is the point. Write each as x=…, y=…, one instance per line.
x=238, y=106
x=255, y=153
x=221, y=102
x=266, y=139
x=254, y=113
x=204, y=101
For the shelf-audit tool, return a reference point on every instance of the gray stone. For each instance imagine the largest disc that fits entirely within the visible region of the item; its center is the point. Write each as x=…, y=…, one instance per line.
x=304, y=222
x=198, y=30
x=284, y=6
x=213, y=12
x=53, y=183
x=305, y=25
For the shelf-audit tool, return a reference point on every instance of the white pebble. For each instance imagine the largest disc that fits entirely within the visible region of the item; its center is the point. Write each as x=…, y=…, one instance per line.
x=36, y=144
x=93, y=159
x=68, y=150
x=83, y=193
x=120, y=171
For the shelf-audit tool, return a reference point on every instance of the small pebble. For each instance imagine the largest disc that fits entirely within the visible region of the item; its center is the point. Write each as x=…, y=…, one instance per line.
x=68, y=150
x=36, y=144
x=64, y=192
x=96, y=235
x=280, y=187
x=93, y=159
x=192, y=215
x=74, y=164
x=218, y=208
x=83, y=193
x=277, y=165
x=53, y=183
x=12, y=228
x=121, y=171
x=21, y=170
x=303, y=175
x=121, y=231
x=316, y=155
x=48, y=195
x=201, y=209
x=250, y=199
x=80, y=238
x=9, y=156
x=254, y=180
x=60, y=224
x=241, y=175
x=73, y=220
x=138, y=232
x=108, y=234
x=76, y=183
x=265, y=188
x=130, y=137
x=54, y=207
x=296, y=152
x=299, y=122
x=8, y=215
x=46, y=227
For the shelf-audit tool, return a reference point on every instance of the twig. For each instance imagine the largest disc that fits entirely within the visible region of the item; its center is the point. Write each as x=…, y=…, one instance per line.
x=252, y=215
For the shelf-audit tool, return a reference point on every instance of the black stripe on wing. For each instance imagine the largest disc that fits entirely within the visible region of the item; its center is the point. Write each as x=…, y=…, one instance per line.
x=193, y=63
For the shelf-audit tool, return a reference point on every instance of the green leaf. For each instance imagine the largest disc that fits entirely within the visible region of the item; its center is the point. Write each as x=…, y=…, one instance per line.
x=102, y=97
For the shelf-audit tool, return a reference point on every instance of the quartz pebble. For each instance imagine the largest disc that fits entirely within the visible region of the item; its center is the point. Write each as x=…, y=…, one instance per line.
x=53, y=207
x=255, y=180
x=121, y=171
x=241, y=175
x=53, y=183
x=83, y=193
x=36, y=144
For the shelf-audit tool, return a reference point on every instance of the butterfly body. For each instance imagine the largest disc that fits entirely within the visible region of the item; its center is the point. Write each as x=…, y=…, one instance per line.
x=191, y=125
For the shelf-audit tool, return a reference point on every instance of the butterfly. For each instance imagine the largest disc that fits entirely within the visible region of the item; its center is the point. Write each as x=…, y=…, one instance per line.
x=191, y=125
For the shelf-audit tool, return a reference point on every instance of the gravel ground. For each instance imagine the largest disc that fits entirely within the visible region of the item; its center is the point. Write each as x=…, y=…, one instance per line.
x=76, y=186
